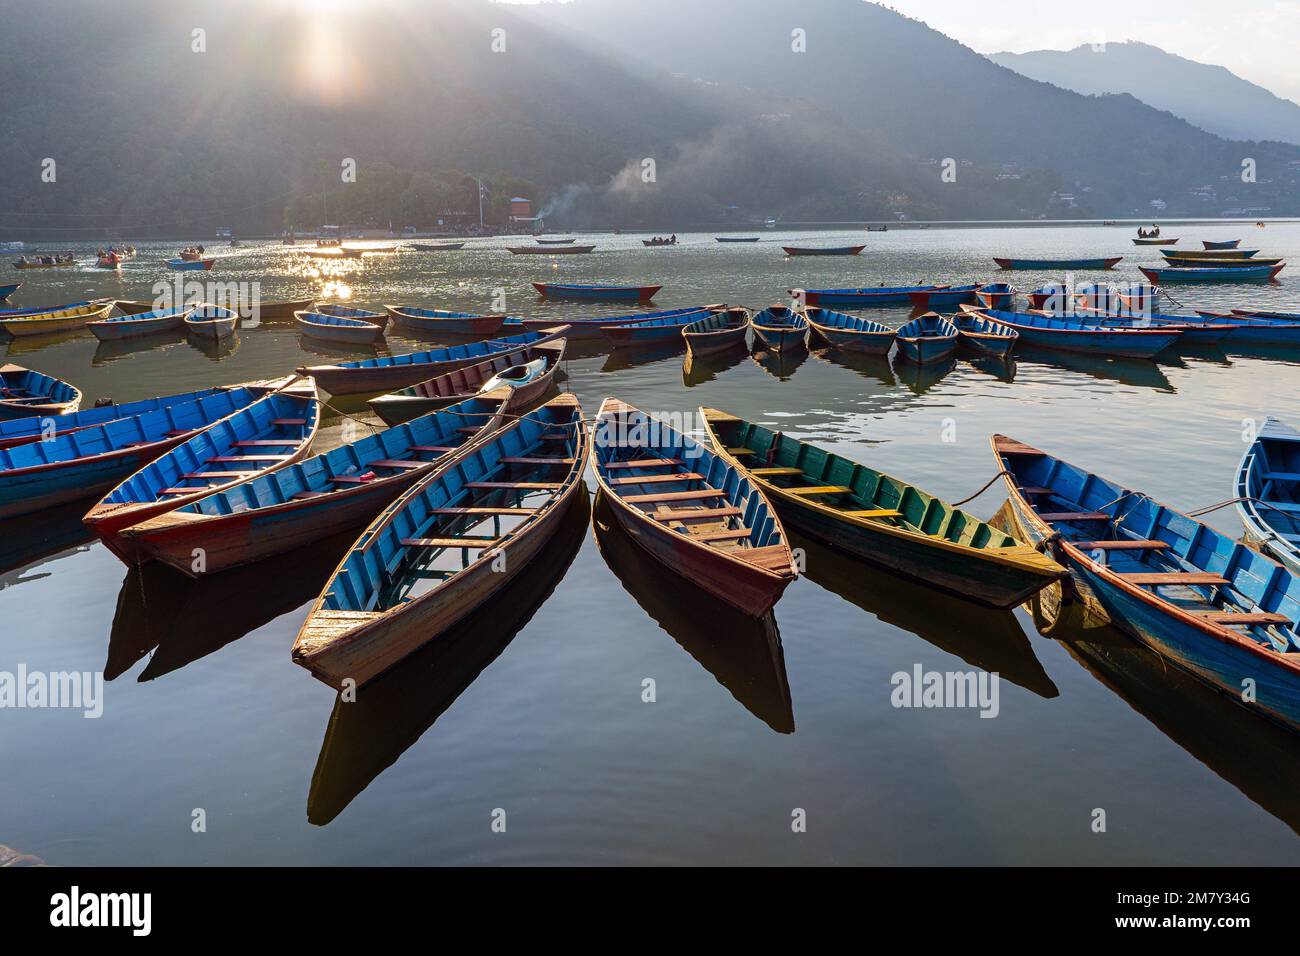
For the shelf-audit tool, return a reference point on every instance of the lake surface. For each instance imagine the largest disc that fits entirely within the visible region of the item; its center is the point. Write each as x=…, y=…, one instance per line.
x=535, y=706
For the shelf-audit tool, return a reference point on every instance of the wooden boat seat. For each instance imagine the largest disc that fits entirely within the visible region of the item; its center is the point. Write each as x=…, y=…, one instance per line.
x=644, y=463
x=819, y=490
x=432, y=449
x=483, y=543
x=468, y=430
x=1074, y=516
x=774, y=557
x=484, y=511
x=708, y=535
x=1242, y=617
x=674, y=496
x=223, y=459
x=1160, y=579
x=775, y=472
x=352, y=480
x=656, y=479
x=874, y=513
x=687, y=514
x=537, y=461
x=1035, y=490
x=1281, y=476
x=137, y=444
x=1283, y=506
x=218, y=474
x=556, y=436
x=517, y=485
x=741, y=451
x=177, y=432
x=289, y=421
x=401, y=463
x=266, y=443
x=1144, y=544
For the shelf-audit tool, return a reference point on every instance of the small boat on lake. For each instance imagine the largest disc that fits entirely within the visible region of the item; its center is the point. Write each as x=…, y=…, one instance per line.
x=351, y=312
x=1209, y=275
x=443, y=322
x=996, y=295
x=554, y=242
x=588, y=329
x=691, y=509
x=1193, y=332
x=447, y=546
x=1231, y=255
x=273, y=311
x=1048, y=264
x=387, y=373
x=540, y=363
x=1226, y=244
x=666, y=330
x=944, y=298
x=736, y=238
x=7, y=290
x=1070, y=335
x=548, y=250
x=25, y=393
x=879, y=518
x=1192, y=262
x=1268, y=492
x=313, y=499
x=1205, y=603
x=928, y=338
x=717, y=331
x=436, y=246
x=211, y=322
x=780, y=329
x=334, y=328
x=597, y=293
x=153, y=322
x=1153, y=241
x=850, y=332
x=271, y=433
x=984, y=335
x=823, y=251
x=1052, y=296
x=867, y=297
x=659, y=241
x=190, y=265
x=25, y=430
x=54, y=320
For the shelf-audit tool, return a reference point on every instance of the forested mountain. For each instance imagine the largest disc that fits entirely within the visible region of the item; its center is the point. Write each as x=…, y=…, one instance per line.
x=150, y=135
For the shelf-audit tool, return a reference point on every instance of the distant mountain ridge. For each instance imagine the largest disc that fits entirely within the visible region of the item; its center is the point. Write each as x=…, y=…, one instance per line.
x=1211, y=97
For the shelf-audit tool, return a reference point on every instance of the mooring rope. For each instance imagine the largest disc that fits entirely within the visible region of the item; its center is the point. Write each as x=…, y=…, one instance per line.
x=987, y=486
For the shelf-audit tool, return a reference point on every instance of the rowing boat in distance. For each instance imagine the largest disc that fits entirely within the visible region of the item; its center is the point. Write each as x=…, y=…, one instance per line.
x=598, y=293
x=1048, y=264
x=1225, y=244
x=547, y=250
x=447, y=546
x=689, y=508
x=823, y=251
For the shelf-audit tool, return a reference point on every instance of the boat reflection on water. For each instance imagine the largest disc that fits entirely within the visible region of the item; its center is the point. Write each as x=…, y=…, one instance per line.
x=743, y=653
x=873, y=367
x=780, y=365
x=367, y=735
x=112, y=350
x=1256, y=756
x=1136, y=372
x=183, y=619
x=696, y=370
x=920, y=378
x=29, y=539
x=218, y=350
x=1001, y=368
x=632, y=356
x=983, y=637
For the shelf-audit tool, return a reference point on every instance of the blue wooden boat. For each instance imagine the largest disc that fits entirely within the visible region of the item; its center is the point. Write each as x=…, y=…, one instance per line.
x=388, y=373
x=1254, y=329
x=928, y=338
x=336, y=328
x=1071, y=335
x=1046, y=264
x=1227, y=244
x=20, y=431
x=153, y=322
x=1268, y=492
x=867, y=297
x=25, y=394
x=1193, y=332
x=850, y=332
x=779, y=329
x=825, y=251
x=444, y=322
x=691, y=509
x=89, y=461
x=351, y=312
x=1236, y=262
x=666, y=330
x=1204, y=602
x=1211, y=274
x=271, y=433
x=944, y=297
x=314, y=499
x=186, y=265
x=736, y=239
x=597, y=293
x=717, y=331
x=7, y=290
x=985, y=335
x=449, y=545
x=212, y=322
x=996, y=295
x=1267, y=314
x=590, y=328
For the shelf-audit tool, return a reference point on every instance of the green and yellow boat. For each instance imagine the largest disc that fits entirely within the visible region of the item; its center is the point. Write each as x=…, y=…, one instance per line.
x=881, y=519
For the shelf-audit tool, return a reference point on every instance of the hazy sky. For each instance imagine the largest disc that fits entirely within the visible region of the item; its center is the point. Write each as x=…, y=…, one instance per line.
x=1256, y=39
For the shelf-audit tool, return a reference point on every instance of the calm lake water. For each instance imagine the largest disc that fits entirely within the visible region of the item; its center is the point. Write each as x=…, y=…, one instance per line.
x=535, y=707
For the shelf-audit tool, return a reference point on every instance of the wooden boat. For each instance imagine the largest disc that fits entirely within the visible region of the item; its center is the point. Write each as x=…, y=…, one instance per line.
x=24, y=430
x=982, y=334
x=24, y=393
x=7, y=290
x=825, y=251
x=1268, y=492
x=940, y=298
x=1217, y=275
x=996, y=295
x=1204, y=602
x=611, y=293
x=666, y=330
x=587, y=329
x=42, y=474
x=1154, y=241
x=270, y=434
x=549, y=250
x=57, y=263
x=1047, y=264
x=464, y=383
x=442, y=322
x=1190, y=262
x=691, y=509
x=190, y=265
x=133, y=306
x=863, y=298
x=334, y=328
x=116, y=327
x=779, y=329
x=387, y=373
x=311, y=500
x=351, y=312
x=436, y=246
x=1254, y=330
x=928, y=338
x=880, y=228
x=58, y=320
x=850, y=332
x=1267, y=314
x=554, y=242
x=1215, y=255
x=1054, y=293
x=1226, y=244
x=275, y=311
x=736, y=238
x=447, y=546
x=213, y=322
x=1193, y=332
x=1069, y=335
x=717, y=331
x=881, y=519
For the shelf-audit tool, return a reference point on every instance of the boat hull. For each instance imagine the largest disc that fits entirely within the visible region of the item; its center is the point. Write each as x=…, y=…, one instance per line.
x=781, y=340
x=36, y=489
x=864, y=343
x=1049, y=264
x=549, y=290
x=714, y=343
x=481, y=326
x=926, y=350
x=116, y=331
